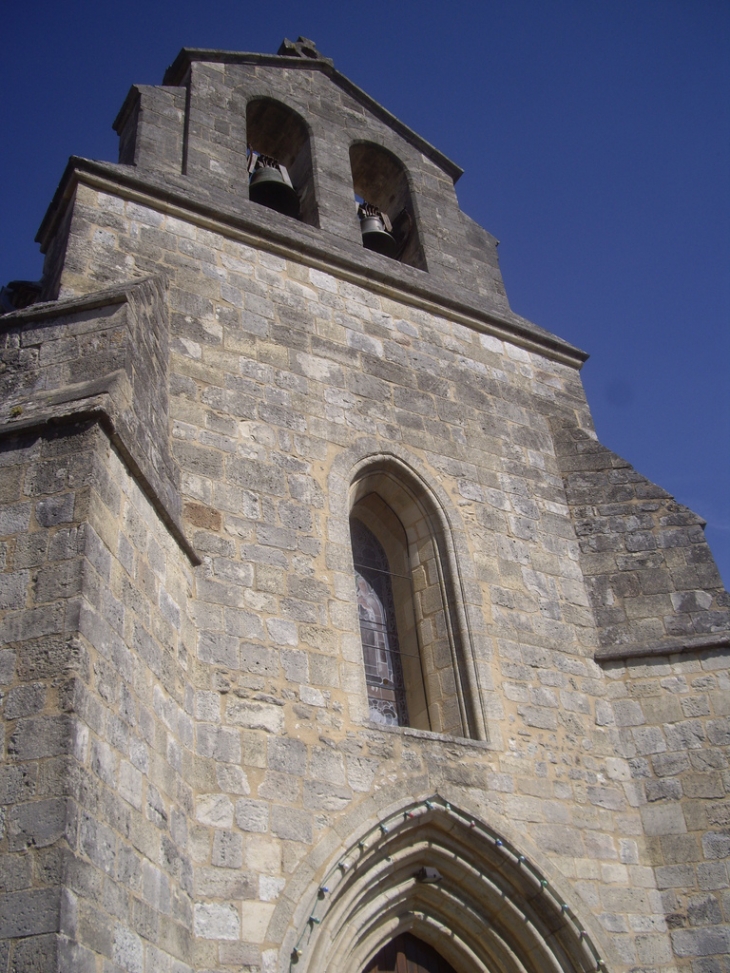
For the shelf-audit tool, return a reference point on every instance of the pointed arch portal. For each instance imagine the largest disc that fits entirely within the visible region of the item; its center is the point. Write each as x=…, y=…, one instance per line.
x=433, y=880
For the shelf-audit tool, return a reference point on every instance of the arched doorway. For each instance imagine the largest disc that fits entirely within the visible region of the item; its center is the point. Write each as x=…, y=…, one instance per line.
x=408, y=954
x=435, y=875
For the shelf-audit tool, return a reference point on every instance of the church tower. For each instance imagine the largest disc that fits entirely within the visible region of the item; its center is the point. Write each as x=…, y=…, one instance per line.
x=332, y=638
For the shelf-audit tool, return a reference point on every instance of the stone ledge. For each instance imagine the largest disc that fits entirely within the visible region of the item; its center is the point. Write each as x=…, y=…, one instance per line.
x=669, y=647
x=96, y=409
x=431, y=736
x=106, y=297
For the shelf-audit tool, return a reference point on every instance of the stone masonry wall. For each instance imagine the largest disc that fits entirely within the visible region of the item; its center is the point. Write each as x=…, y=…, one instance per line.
x=651, y=576
x=96, y=729
x=276, y=368
x=188, y=754
x=672, y=719
x=44, y=500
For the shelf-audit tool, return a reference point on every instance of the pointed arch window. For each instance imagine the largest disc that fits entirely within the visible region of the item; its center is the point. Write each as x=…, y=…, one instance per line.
x=417, y=655
x=409, y=642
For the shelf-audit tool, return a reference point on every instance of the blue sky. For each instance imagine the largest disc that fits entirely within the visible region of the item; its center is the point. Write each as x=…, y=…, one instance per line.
x=595, y=139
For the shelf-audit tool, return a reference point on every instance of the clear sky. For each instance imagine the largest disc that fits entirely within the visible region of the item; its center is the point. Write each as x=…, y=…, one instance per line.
x=595, y=139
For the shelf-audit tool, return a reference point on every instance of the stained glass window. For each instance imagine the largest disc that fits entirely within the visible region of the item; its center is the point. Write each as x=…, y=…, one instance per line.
x=378, y=629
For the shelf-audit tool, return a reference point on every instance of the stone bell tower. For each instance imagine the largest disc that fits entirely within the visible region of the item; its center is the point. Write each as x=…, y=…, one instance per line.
x=332, y=638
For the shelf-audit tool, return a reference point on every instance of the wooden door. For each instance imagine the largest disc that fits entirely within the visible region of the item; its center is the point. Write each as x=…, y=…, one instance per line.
x=407, y=954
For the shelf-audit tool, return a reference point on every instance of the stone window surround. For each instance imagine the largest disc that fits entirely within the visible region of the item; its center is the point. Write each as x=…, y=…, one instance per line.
x=452, y=690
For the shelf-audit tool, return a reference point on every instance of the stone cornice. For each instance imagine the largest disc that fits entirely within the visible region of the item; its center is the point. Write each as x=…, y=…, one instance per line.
x=700, y=643
x=313, y=247
x=106, y=297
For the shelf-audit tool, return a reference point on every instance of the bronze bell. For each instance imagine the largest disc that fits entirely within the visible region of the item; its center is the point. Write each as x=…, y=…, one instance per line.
x=375, y=227
x=269, y=185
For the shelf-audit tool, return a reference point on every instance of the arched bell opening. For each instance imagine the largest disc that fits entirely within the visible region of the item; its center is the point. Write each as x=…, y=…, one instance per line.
x=434, y=872
x=280, y=160
x=385, y=205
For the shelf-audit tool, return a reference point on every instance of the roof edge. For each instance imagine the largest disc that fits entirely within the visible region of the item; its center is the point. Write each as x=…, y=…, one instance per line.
x=176, y=73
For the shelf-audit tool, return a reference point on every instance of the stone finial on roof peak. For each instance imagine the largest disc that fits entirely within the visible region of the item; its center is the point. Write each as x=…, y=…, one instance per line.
x=302, y=47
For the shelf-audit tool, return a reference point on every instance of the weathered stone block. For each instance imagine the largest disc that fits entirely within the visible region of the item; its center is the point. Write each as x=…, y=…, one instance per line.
x=661, y=820
x=217, y=921
x=291, y=824
x=252, y=815
x=29, y=913
x=227, y=849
